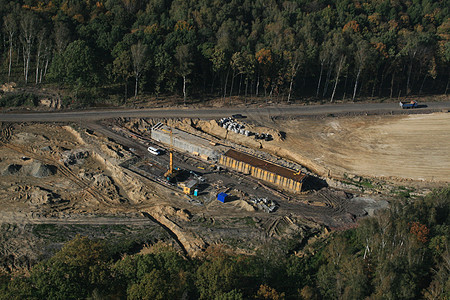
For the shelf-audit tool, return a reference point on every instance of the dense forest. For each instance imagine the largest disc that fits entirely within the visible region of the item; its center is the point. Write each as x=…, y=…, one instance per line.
x=401, y=253
x=323, y=49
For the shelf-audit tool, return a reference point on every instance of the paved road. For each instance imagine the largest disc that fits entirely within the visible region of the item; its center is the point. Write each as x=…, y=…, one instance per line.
x=207, y=113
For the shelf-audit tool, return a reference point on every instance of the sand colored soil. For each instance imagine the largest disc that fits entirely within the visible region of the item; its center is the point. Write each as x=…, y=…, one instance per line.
x=54, y=174
x=401, y=147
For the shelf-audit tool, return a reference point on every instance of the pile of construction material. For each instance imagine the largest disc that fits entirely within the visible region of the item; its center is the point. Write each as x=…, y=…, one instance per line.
x=231, y=124
x=264, y=204
x=263, y=136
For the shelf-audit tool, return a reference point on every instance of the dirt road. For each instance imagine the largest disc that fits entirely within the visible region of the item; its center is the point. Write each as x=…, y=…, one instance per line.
x=87, y=177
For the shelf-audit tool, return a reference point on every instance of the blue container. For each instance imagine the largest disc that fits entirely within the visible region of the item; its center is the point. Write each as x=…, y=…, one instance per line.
x=222, y=197
x=195, y=192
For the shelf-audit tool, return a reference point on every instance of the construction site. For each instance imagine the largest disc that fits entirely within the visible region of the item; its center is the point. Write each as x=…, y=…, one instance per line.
x=190, y=182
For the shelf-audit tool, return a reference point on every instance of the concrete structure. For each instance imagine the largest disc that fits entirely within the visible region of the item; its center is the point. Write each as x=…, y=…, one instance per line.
x=186, y=142
x=188, y=186
x=280, y=176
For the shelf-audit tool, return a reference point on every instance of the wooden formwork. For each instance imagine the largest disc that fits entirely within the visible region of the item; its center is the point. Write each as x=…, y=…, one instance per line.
x=264, y=170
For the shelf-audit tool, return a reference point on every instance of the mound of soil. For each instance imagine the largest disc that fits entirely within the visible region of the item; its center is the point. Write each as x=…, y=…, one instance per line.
x=42, y=170
x=243, y=205
x=38, y=195
x=101, y=180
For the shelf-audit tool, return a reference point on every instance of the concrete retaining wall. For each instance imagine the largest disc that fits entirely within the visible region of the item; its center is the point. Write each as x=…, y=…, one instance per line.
x=186, y=142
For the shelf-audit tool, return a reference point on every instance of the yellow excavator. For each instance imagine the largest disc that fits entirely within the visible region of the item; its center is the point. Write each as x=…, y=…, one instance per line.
x=171, y=172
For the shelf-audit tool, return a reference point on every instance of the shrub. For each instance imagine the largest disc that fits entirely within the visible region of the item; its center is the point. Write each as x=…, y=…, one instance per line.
x=16, y=100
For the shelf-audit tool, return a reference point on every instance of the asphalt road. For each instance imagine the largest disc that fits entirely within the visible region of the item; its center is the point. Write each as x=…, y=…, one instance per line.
x=208, y=113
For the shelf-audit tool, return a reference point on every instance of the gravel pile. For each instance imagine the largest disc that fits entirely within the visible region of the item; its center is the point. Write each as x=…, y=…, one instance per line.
x=42, y=170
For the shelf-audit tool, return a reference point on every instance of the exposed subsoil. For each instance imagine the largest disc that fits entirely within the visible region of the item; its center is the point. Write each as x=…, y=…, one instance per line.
x=82, y=176
x=400, y=148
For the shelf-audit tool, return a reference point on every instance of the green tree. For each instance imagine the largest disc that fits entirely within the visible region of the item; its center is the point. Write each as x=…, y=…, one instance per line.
x=244, y=64
x=325, y=57
x=10, y=28
x=122, y=69
x=217, y=275
x=294, y=61
x=267, y=293
x=219, y=63
x=343, y=277
x=439, y=287
x=184, y=57
x=417, y=47
x=42, y=49
x=231, y=295
x=362, y=57
x=163, y=272
x=61, y=36
x=74, y=272
x=18, y=287
x=165, y=69
x=75, y=66
x=154, y=285
x=28, y=24
x=138, y=55
x=339, y=54
x=411, y=40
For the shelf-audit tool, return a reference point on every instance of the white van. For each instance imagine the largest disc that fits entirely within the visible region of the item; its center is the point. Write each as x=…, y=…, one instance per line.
x=154, y=151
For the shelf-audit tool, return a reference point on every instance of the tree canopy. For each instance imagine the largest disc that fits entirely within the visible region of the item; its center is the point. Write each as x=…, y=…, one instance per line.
x=400, y=253
x=284, y=49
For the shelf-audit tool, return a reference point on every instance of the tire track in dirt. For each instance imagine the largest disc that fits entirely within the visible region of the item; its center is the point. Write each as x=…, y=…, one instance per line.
x=65, y=171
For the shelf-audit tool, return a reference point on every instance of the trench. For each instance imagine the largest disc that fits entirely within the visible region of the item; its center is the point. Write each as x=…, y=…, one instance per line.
x=170, y=232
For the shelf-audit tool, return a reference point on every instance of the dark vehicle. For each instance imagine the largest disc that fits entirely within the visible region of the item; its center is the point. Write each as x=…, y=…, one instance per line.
x=238, y=116
x=268, y=137
x=408, y=104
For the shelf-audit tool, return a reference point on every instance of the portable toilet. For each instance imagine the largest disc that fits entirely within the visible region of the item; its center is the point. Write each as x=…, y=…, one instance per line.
x=222, y=197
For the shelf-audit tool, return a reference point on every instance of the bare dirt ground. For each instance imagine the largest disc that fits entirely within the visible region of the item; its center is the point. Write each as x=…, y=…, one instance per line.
x=52, y=177
x=387, y=147
x=57, y=180
x=413, y=147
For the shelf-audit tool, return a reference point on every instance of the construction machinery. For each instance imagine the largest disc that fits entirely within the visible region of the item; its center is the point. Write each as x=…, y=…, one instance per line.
x=171, y=172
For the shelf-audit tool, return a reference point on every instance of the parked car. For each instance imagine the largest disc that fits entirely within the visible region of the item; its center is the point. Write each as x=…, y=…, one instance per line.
x=408, y=104
x=155, y=151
